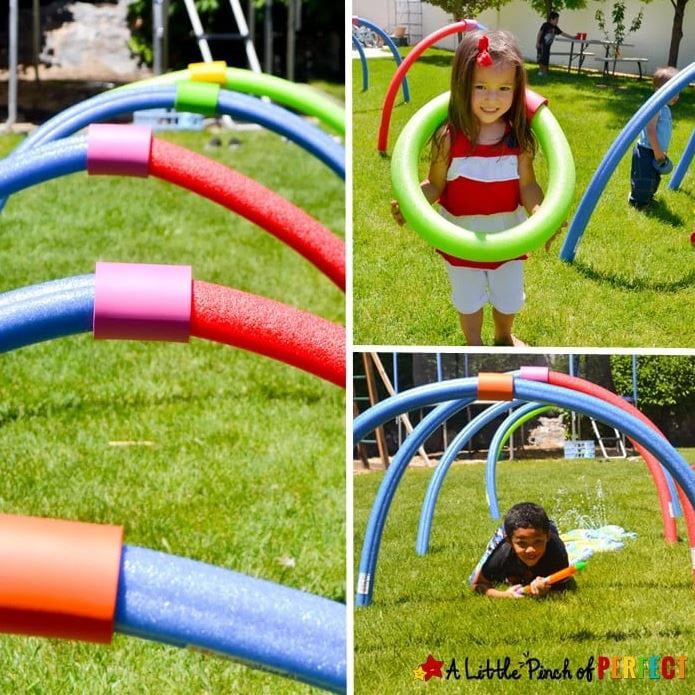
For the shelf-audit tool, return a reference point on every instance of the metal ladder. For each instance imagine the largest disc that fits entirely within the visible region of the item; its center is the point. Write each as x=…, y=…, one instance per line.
x=409, y=15
x=243, y=35
x=616, y=437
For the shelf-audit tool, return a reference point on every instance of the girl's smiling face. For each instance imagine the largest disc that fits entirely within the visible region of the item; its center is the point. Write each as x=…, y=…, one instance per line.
x=492, y=91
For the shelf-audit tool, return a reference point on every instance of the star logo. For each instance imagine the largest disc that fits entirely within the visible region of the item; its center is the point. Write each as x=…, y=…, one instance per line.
x=419, y=674
x=432, y=668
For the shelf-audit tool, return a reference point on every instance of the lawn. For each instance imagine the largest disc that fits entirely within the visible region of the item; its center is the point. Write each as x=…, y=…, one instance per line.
x=637, y=601
x=632, y=284
x=199, y=450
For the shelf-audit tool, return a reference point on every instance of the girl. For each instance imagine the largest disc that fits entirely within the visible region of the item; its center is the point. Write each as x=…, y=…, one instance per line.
x=481, y=172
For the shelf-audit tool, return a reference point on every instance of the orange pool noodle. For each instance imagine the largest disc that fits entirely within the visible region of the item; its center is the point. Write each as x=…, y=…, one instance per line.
x=562, y=574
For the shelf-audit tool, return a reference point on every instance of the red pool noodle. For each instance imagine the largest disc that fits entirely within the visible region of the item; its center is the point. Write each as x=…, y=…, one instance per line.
x=255, y=202
x=269, y=328
x=394, y=85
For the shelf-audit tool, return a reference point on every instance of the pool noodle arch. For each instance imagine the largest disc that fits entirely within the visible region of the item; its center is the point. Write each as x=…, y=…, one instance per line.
x=665, y=494
x=467, y=391
x=227, y=612
x=469, y=244
x=297, y=96
x=492, y=459
x=399, y=76
x=60, y=308
x=392, y=46
x=588, y=387
x=203, y=176
x=682, y=166
x=615, y=153
x=363, y=63
x=197, y=97
x=664, y=491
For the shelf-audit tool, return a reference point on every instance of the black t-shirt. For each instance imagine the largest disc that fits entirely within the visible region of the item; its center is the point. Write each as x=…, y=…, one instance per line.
x=503, y=565
x=548, y=33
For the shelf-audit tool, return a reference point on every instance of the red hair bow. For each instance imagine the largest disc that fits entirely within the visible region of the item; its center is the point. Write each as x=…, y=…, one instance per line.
x=483, y=59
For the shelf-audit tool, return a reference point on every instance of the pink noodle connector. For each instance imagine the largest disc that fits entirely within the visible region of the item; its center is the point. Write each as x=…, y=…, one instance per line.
x=533, y=102
x=534, y=373
x=121, y=150
x=142, y=302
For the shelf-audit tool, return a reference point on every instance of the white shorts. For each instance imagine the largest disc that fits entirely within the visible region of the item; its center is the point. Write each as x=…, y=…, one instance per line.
x=473, y=288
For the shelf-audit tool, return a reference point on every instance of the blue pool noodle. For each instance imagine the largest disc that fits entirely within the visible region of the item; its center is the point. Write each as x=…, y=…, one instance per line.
x=43, y=312
x=113, y=104
x=615, y=153
x=363, y=63
x=44, y=164
x=394, y=51
x=387, y=489
x=490, y=466
x=683, y=164
x=186, y=603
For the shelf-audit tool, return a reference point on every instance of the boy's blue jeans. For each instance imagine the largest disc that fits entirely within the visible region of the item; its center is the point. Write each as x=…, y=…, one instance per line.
x=644, y=178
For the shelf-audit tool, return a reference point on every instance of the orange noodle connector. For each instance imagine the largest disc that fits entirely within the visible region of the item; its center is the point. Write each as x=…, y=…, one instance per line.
x=493, y=386
x=58, y=578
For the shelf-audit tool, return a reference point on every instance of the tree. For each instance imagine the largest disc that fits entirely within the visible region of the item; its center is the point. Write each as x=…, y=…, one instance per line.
x=463, y=9
x=597, y=368
x=466, y=9
x=544, y=7
x=676, y=31
x=620, y=31
x=664, y=381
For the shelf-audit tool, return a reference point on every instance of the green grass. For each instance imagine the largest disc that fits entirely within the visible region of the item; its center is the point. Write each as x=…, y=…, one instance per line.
x=632, y=272
x=637, y=601
x=246, y=466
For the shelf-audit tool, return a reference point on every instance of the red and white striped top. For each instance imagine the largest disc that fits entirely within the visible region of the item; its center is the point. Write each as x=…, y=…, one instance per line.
x=482, y=181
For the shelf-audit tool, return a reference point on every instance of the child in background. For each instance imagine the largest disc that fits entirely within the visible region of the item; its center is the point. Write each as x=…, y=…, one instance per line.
x=649, y=158
x=481, y=172
x=526, y=550
x=544, y=40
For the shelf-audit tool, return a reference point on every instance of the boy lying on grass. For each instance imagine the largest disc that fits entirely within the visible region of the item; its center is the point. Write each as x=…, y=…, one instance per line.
x=525, y=550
